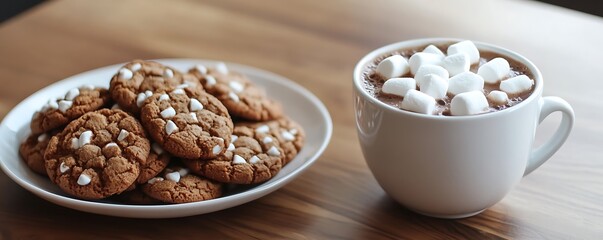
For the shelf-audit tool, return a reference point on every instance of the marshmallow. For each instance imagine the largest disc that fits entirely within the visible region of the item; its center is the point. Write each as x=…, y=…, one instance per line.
x=164, y=97
x=466, y=47
x=255, y=159
x=516, y=85
x=419, y=59
x=287, y=136
x=465, y=82
x=210, y=80
x=178, y=91
x=125, y=74
x=433, y=49
x=154, y=180
x=83, y=180
x=183, y=172
x=418, y=102
x=84, y=138
x=435, y=86
x=136, y=66
x=399, y=86
x=456, y=63
x=393, y=66
x=267, y=140
x=430, y=69
x=111, y=144
x=74, y=143
x=156, y=148
x=233, y=138
x=52, y=103
x=273, y=152
x=173, y=176
x=233, y=96
x=494, y=70
x=238, y=160
x=262, y=129
x=42, y=137
x=221, y=68
x=64, y=105
x=498, y=98
x=236, y=86
x=123, y=134
x=168, y=73
x=170, y=127
x=63, y=167
x=468, y=103
x=88, y=87
x=140, y=99
x=194, y=116
x=217, y=149
x=184, y=85
x=195, y=105
x=168, y=113
x=71, y=94
x=231, y=147
x=201, y=69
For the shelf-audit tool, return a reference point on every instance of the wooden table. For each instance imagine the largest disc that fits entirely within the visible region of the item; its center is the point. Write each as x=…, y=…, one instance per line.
x=317, y=43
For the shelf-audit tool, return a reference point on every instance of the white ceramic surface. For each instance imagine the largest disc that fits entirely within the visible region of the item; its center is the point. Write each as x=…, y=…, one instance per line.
x=453, y=167
x=300, y=104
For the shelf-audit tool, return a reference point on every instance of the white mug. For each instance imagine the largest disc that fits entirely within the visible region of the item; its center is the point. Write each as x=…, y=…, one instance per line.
x=454, y=166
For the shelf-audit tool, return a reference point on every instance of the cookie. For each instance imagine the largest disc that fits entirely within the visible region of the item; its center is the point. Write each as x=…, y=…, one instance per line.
x=157, y=161
x=290, y=135
x=57, y=112
x=187, y=123
x=177, y=185
x=125, y=85
x=253, y=157
x=135, y=197
x=97, y=155
x=241, y=97
x=32, y=151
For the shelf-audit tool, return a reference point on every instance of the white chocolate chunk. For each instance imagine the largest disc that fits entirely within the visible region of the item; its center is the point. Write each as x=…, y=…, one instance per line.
x=210, y=80
x=64, y=105
x=237, y=87
x=42, y=137
x=148, y=93
x=74, y=143
x=231, y=147
x=140, y=99
x=287, y=136
x=516, y=85
x=183, y=172
x=434, y=50
x=233, y=138
x=178, y=91
x=83, y=180
x=201, y=69
x=393, y=66
x=238, y=160
x=498, y=97
x=125, y=74
x=468, y=103
x=194, y=116
x=457, y=63
x=63, y=167
x=262, y=129
x=71, y=94
x=122, y=135
x=430, y=69
x=164, y=97
x=494, y=70
x=195, y=105
x=399, y=86
x=217, y=149
x=111, y=144
x=267, y=140
x=85, y=138
x=273, y=152
x=173, y=176
x=465, y=47
x=135, y=67
x=168, y=113
x=157, y=149
x=419, y=59
x=233, y=96
x=221, y=68
x=52, y=103
x=255, y=159
x=434, y=86
x=168, y=73
x=465, y=82
x=419, y=102
x=154, y=180
x=170, y=127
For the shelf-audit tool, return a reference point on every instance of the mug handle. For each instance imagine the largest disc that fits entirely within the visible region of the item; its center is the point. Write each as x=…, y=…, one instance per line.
x=541, y=154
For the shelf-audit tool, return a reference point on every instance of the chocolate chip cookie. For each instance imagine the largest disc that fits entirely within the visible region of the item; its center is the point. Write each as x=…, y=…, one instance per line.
x=98, y=154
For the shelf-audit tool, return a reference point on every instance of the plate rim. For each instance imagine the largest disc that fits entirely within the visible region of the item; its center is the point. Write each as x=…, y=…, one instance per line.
x=160, y=211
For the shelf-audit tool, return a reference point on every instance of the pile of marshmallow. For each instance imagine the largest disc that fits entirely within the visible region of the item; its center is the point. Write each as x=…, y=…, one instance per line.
x=438, y=75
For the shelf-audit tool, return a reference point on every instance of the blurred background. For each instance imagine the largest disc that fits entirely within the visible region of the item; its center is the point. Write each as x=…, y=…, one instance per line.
x=10, y=8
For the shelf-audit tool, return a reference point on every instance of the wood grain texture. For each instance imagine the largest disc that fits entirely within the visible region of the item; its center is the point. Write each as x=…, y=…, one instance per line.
x=317, y=43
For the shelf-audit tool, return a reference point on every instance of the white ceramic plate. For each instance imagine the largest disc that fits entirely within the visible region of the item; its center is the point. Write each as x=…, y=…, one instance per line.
x=300, y=104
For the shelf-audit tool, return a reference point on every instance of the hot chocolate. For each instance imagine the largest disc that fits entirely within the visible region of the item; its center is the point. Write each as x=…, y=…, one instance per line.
x=498, y=96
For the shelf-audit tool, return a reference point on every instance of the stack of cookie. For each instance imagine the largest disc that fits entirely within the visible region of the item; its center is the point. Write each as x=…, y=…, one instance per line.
x=161, y=135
